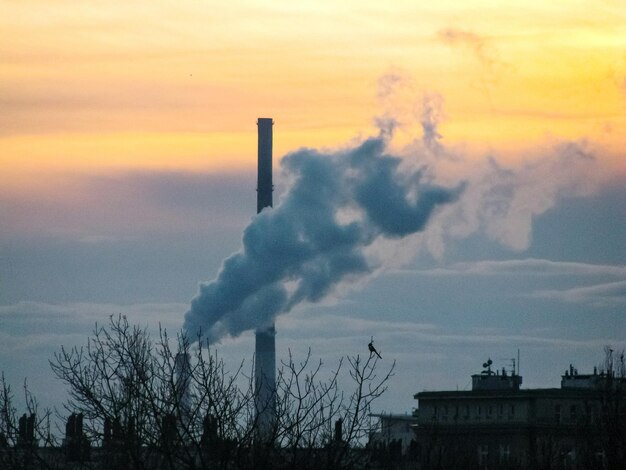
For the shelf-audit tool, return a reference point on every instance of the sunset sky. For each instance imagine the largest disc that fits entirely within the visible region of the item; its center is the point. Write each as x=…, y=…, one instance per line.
x=128, y=152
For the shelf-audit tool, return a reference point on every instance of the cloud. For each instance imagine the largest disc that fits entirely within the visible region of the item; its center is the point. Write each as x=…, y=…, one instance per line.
x=481, y=48
x=459, y=37
x=531, y=266
x=328, y=328
x=390, y=83
x=98, y=208
x=556, y=289
x=607, y=294
x=30, y=319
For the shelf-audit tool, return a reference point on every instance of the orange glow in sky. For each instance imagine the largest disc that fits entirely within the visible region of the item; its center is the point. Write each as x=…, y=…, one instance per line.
x=106, y=86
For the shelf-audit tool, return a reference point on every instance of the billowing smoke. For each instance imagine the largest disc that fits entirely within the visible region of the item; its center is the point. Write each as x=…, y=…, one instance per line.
x=432, y=104
x=335, y=206
x=500, y=201
x=344, y=215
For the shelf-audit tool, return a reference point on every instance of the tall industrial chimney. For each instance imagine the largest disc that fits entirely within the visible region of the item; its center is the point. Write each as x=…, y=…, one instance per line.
x=182, y=376
x=265, y=344
x=264, y=178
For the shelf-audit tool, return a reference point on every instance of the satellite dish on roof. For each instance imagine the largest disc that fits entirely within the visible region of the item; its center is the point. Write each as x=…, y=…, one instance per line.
x=487, y=367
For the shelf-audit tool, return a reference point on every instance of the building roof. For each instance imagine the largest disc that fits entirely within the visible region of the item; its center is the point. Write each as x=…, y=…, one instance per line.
x=490, y=383
x=520, y=394
x=397, y=417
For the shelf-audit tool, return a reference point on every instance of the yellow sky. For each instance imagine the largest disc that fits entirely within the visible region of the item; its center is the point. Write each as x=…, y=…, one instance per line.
x=105, y=85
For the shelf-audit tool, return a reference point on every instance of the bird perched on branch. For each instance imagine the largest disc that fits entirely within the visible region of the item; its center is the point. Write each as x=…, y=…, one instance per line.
x=372, y=349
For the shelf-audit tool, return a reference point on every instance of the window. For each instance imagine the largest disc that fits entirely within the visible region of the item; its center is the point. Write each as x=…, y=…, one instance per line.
x=505, y=453
x=444, y=413
x=512, y=412
x=483, y=455
x=573, y=413
x=557, y=413
x=568, y=456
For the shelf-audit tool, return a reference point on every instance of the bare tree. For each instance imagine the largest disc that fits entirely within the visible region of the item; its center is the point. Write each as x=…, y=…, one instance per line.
x=139, y=405
x=24, y=439
x=318, y=423
x=613, y=409
x=151, y=405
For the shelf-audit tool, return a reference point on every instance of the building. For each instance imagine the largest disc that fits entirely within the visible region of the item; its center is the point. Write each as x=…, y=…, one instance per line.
x=394, y=430
x=497, y=424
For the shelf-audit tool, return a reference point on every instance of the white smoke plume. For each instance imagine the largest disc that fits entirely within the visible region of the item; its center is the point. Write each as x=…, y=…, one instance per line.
x=347, y=214
x=501, y=202
x=502, y=195
x=335, y=206
x=431, y=116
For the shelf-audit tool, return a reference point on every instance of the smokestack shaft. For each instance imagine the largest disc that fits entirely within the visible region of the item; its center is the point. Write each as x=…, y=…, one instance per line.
x=264, y=176
x=265, y=343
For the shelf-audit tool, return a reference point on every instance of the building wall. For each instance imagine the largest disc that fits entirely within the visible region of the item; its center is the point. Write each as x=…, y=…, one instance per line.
x=393, y=428
x=549, y=428
x=470, y=411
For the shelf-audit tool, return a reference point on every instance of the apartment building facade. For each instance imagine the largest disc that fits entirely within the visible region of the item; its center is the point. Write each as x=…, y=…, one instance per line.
x=499, y=425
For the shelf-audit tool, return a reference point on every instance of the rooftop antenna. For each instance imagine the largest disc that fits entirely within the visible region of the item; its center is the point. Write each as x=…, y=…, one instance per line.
x=511, y=361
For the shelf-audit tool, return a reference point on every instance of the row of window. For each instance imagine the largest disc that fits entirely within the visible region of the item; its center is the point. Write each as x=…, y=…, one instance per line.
x=562, y=413
x=444, y=412
x=488, y=454
x=574, y=412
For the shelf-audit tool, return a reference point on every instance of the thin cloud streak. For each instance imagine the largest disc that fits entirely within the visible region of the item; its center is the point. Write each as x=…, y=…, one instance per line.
x=117, y=206
x=317, y=329
x=607, y=294
x=329, y=328
x=529, y=266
